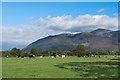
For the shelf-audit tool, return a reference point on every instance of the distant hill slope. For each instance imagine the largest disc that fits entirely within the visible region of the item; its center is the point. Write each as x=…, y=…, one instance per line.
x=100, y=39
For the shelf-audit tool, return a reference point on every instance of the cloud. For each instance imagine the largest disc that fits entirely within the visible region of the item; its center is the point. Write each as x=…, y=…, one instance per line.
x=22, y=35
x=101, y=10
x=79, y=23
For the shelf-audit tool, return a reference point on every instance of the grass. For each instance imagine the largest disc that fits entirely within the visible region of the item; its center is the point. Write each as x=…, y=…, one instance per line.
x=69, y=67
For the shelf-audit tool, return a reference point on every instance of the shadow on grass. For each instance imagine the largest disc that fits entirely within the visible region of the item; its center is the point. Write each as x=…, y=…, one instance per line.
x=93, y=69
x=115, y=59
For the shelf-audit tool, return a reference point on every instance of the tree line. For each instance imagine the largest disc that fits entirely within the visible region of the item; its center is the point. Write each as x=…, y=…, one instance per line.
x=78, y=51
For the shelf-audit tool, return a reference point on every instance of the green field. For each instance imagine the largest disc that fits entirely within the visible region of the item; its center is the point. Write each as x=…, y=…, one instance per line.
x=69, y=67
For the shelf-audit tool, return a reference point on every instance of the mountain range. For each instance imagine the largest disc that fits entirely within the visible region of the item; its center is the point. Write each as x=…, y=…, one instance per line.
x=99, y=39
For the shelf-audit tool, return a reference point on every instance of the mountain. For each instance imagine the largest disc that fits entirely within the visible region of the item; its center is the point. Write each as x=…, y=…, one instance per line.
x=102, y=32
x=100, y=39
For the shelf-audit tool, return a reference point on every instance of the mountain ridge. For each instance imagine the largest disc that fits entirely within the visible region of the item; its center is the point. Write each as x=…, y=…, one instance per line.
x=99, y=39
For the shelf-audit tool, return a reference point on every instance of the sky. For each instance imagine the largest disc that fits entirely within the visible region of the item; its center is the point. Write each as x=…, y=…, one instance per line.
x=60, y=0
x=26, y=22
x=23, y=11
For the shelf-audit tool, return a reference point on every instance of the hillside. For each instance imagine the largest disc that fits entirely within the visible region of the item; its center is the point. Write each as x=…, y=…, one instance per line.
x=100, y=39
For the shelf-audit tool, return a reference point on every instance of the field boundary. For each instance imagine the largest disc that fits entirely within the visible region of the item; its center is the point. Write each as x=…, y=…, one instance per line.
x=60, y=78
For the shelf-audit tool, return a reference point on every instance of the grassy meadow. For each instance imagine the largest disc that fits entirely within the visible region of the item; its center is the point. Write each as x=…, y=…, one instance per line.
x=69, y=67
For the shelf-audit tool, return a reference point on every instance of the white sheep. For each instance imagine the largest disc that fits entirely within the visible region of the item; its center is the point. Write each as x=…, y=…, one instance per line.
x=52, y=56
x=40, y=56
x=7, y=56
x=63, y=56
x=57, y=55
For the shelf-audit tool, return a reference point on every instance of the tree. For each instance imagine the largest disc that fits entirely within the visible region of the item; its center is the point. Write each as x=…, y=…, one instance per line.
x=5, y=53
x=88, y=53
x=74, y=52
x=26, y=53
x=58, y=52
x=95, y=52
x=33, y=51
x=117, y=52
x=80, y=47
x=39, y=53
x=15, y=52
x=80, y=51
x=46, y=53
